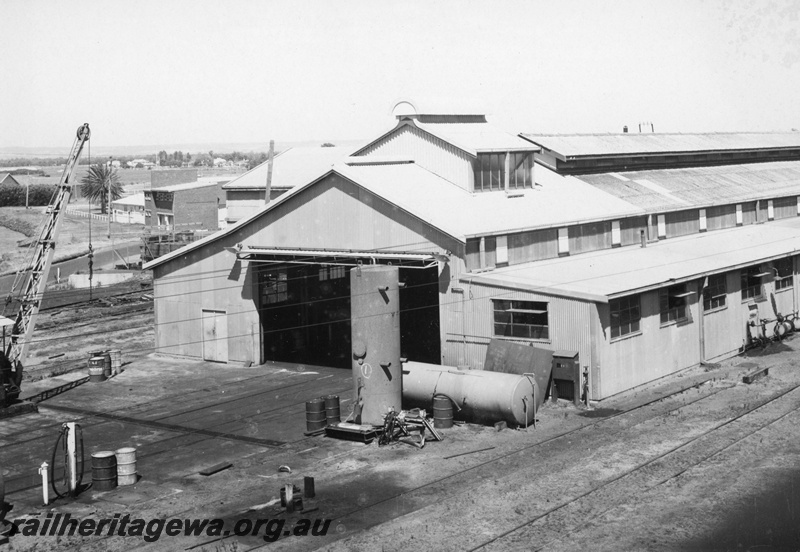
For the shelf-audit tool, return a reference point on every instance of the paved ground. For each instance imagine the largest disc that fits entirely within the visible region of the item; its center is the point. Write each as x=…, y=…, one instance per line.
x=699, y=461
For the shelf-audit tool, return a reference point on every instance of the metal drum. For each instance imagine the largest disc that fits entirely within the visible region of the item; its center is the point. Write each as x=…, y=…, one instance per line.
x=332, y=413
x=315, y=415
x=126, y=466
x=106, y=364
x=442, y=412
x=97, y=369
x=104, y=471
x=116, y=361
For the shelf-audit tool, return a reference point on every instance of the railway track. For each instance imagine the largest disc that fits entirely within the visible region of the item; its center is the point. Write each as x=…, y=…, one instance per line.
x=654, y=471
x=523, y=534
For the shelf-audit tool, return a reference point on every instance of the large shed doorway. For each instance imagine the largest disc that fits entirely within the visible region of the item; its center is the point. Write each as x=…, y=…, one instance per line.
x=305, y=314
x=304, y=304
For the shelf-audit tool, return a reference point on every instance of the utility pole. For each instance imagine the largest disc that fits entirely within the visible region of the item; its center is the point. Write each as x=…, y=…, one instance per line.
x=270, y=156
x=108, y=202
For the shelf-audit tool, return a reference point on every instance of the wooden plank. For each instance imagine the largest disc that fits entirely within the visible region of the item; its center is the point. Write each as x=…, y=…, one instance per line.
x=756, y=374
x=216, y=468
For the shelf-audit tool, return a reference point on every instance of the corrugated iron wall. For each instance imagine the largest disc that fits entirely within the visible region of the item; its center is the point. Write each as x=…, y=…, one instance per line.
x=468, y=323
x=429, y=152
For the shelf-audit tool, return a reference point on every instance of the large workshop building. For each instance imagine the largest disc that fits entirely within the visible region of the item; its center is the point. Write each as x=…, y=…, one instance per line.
x=644, y=253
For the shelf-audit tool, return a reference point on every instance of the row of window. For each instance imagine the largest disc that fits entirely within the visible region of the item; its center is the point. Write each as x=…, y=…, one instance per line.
x=674, y=300
x=545, y=244
x=490, y=171
x=529, y=319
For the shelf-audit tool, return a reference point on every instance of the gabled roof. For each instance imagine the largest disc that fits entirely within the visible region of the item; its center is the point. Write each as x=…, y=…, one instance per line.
x=472, y=138
x=453, y=210
x=8, y=178
x=290, y=168
x=590, y=145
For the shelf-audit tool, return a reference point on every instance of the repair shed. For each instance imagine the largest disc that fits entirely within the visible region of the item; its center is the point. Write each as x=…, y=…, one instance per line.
x=643, y=271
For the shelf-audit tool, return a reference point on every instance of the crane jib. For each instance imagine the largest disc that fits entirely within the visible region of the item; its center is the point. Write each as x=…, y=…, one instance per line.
x=37, y=272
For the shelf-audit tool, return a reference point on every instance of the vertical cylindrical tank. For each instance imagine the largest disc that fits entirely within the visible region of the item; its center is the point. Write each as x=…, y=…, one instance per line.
x=375, y=332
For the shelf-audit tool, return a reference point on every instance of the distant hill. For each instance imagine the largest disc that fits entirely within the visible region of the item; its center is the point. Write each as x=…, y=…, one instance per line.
x=105, y=151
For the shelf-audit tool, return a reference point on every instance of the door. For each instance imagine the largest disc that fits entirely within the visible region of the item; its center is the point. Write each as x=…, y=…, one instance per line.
x=215, y=335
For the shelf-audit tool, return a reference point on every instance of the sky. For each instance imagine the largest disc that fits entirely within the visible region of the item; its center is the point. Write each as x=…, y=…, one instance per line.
x=243, y=71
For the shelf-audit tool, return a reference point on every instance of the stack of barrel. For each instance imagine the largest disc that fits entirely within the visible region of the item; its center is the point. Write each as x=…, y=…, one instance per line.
x=104, y=364
x=322, y=412
x=110, y=469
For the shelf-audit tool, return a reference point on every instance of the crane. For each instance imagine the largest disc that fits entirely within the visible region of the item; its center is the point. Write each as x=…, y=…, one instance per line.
x=35, y=278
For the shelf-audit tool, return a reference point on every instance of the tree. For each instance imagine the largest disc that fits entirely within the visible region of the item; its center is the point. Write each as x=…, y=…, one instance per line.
x=96, y=184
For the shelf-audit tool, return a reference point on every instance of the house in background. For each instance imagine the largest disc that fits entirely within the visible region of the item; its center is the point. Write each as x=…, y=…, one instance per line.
x=642, y=254
x=8, y=179
x=129, y=210
x=245, y=194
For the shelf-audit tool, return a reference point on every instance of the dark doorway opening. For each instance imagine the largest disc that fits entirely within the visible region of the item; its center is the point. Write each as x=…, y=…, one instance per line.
x=419, y=315
x=305, y=314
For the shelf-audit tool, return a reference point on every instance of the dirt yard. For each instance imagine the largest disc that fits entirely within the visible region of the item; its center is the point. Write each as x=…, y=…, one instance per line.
x=73, y=239
x=698, y=461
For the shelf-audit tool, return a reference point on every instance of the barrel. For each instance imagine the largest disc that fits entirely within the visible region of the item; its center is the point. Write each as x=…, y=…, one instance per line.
x=104, y=470
x=126, y=466
x=315, y=415
x=116, y=361
x=442, y=412
x=107, y=364
x=332, y=415
x=97, y=367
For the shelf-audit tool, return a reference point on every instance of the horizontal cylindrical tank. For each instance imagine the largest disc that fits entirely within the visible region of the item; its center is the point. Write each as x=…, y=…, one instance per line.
x=481, y=396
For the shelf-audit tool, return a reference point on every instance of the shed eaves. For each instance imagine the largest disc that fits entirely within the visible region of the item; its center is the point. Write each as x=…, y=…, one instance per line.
x=604, y=275
x=587, y=145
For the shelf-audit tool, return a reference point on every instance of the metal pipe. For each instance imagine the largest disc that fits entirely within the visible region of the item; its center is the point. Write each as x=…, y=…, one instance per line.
x=44, y=471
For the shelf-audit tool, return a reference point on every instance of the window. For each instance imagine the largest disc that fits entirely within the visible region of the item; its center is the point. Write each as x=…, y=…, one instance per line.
x=751, y=283
x=785, y=272
x=525, y=319
x=273, y=287
x=714, y=294
x=490, y=171
x=625, y=316
x=674, y=304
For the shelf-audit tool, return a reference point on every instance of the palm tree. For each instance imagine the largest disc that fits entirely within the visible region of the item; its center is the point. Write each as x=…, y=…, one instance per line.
x=97, y=182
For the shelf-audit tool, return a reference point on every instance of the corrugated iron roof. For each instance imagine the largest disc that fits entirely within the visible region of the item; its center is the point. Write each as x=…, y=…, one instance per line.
x=700, y=186
x=469, y=137
x=199, y=183
x=133, y=199
x=463, y=214
x=603, y=275
x=573, y=145
x=477, y=137
x=290, y=168
x=455, y=211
